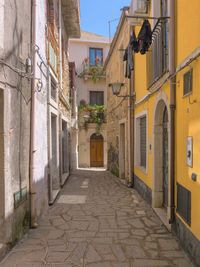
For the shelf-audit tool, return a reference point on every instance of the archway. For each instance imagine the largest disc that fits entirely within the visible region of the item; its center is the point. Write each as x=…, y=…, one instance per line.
x=161, y=155
x=96, y=150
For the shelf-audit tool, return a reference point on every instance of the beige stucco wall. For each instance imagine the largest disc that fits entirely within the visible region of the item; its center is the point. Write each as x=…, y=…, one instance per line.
x=78, y=51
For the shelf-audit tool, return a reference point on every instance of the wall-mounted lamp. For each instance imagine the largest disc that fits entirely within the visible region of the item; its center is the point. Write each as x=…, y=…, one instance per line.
x=116, y=88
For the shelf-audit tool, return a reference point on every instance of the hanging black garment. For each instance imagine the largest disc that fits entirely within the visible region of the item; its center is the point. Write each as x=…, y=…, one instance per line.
x=145, y=37
x=128, y=57
x=133, y=46
x=134, y=43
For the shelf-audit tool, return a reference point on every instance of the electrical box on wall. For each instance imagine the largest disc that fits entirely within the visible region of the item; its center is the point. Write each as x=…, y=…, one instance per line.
x=189, y=151
x=150, y=145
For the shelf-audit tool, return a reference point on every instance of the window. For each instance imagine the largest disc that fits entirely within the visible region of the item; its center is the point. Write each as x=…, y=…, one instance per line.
x=188, y=82
x=96, y=56
x=96, y=98
x=160, y=59
x=141, y=141
x=53, y=89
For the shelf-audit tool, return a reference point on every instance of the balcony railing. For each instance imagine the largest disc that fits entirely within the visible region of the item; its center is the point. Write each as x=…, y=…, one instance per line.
x=52, y=51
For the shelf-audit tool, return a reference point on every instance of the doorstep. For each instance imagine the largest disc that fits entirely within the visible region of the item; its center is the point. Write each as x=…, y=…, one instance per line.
x=162, y=214
x=54, y=196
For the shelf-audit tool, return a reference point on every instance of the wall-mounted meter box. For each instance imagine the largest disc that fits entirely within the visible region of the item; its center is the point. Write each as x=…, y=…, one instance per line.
x=189, y=152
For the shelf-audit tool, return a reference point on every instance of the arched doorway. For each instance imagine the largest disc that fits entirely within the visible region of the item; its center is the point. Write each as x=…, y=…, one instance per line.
x=165, y=158
x=96, y=150
x=161, y=156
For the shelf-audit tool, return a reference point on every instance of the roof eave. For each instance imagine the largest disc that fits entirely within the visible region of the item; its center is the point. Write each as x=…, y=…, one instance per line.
x=71, y=17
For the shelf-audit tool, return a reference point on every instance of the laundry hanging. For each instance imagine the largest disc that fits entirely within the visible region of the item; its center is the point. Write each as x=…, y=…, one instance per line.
x=140, y=44
x=128, y=57
x=133, y=46
x=145, y=37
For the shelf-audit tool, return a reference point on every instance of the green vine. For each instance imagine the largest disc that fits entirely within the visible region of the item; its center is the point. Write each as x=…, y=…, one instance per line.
x=96, y=114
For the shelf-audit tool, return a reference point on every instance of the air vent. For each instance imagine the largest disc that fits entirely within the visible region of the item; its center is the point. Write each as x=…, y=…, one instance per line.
x=184, y=203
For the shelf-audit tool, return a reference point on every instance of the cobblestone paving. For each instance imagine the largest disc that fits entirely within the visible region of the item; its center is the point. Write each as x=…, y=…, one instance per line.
x=98, y=222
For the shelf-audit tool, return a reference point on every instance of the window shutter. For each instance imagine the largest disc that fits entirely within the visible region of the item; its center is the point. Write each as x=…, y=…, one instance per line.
x=187, y=82
x=96, y=98
x=143, y=142
x=100, y=98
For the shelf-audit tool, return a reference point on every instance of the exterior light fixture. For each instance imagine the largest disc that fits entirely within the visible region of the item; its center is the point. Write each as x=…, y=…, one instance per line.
x=116, y=88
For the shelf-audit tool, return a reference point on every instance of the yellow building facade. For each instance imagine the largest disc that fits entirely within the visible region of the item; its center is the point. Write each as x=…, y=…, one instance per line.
x=166, y=82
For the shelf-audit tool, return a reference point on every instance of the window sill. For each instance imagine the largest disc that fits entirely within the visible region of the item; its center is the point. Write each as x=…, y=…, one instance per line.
x=188, y=94
x=141, y=168
x=158, y=82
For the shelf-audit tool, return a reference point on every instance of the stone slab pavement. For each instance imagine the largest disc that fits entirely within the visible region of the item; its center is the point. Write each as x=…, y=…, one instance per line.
x=96, y=221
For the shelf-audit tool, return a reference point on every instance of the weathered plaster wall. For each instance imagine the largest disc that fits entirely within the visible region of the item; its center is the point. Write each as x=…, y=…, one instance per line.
x=41, y=160
x=15, y=118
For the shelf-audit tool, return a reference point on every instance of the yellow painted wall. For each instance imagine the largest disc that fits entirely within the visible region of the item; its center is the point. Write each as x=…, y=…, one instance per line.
x=187, y=115
x=187, y=28
x=188, y=124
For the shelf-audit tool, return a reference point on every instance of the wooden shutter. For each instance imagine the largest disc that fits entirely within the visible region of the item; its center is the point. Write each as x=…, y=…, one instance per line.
x=100, y=98
x=92, y=98
x=143, y=142
x=96, y=98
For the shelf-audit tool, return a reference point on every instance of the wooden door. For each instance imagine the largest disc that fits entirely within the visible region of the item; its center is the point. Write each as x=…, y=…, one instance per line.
x=96, y=153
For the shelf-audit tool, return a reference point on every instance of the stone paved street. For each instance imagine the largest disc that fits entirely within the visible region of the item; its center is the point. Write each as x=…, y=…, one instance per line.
x=98, y=222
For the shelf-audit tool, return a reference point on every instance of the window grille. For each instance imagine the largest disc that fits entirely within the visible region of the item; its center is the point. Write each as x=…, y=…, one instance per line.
x=143, y=142
x=184, y=203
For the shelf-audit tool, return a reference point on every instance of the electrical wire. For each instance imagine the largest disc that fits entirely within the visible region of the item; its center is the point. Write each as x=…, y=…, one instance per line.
x=116, y=106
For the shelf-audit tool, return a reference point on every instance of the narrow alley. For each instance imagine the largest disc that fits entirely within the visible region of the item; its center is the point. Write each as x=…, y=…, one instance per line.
x=98, y=222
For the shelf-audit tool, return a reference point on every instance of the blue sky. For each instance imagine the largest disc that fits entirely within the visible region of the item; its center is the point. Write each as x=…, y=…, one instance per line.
x=95, y=15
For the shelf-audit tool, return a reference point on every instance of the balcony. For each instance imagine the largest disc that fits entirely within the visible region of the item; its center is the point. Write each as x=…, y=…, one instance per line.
x=92, y=114
x=52, y=51
x=94, y=72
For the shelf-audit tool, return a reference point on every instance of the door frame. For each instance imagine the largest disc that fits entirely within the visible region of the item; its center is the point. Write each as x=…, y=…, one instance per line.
x=157, y=190
x=102, y=140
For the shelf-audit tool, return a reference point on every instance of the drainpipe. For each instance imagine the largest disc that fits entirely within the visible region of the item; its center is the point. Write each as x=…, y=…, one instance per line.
x=32, y=144
x=172, y=106
x=60, y=63
x=132, y=110
x=60, y=41
x=130, y=123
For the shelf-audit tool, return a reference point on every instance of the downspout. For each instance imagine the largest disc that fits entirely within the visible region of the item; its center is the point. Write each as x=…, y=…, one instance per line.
x=172, y=106
x=32, y=144
x=60, y=42
x=130, y=123
x=60, y=63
